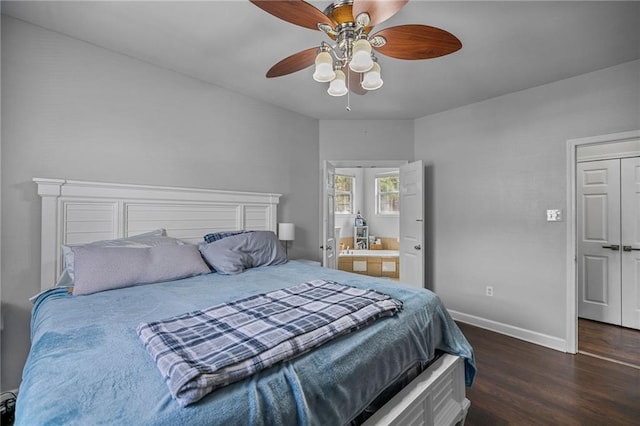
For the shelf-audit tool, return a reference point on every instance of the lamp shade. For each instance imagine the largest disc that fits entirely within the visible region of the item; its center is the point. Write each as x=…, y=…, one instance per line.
x=286, y=231
x=372, y=80
x=324, y=68
x=361, y=60
x=338, y=87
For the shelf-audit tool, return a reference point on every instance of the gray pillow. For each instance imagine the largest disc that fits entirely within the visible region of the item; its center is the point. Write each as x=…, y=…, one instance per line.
x=234, y=254
x=105, y=268
x=149, y=239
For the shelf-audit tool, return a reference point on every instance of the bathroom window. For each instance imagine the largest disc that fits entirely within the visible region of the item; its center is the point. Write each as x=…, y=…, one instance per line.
x=344, y=185
x=388, y=194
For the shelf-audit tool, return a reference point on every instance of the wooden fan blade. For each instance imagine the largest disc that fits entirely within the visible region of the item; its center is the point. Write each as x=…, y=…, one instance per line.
x=296, y=12
x=353, y=79
x=417, y=42
x=296, y=62
x=378, y=10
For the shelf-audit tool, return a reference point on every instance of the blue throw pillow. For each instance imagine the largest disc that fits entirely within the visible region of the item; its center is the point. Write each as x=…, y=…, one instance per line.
x=215, y=236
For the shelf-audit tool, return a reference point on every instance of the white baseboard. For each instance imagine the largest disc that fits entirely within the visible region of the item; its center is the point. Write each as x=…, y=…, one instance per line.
x=510, y=330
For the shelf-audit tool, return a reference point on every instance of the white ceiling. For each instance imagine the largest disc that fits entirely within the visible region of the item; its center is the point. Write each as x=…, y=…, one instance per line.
x=507, y=46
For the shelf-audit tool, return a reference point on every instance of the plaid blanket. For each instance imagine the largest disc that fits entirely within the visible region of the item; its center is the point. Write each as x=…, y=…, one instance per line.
x=203, y=350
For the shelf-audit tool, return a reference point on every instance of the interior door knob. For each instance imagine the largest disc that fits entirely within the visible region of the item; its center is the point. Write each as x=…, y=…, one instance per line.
x=629, y=248
x=417, y=247
x=614, y=247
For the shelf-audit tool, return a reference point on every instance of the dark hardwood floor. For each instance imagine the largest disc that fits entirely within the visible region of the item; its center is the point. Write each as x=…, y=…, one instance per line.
x=609, y=341
x=520, y=383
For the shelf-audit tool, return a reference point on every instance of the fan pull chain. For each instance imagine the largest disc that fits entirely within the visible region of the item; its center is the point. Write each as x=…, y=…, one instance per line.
x=348, y=91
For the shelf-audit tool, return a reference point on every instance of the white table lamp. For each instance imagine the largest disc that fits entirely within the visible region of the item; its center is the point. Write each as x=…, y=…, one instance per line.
x=286, y=233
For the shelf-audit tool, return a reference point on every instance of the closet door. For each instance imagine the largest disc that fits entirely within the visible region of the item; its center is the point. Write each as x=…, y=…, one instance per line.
x=630, y=186
x=599, y=251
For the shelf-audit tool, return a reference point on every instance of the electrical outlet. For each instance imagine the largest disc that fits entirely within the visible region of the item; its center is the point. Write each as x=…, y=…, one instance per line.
x=489, y=290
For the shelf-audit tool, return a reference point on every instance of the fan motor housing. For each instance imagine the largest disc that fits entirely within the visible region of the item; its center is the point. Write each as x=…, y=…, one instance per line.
x=341, y=12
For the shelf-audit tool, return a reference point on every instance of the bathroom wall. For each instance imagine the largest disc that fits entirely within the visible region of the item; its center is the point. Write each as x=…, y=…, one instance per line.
x=364, y=201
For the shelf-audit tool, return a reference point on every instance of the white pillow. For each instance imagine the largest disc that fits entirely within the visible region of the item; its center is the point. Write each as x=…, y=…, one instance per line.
x=106, y=268
x=149, y=239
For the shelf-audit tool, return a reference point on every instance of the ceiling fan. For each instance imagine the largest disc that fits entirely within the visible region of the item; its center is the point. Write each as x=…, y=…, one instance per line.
x=348, y=24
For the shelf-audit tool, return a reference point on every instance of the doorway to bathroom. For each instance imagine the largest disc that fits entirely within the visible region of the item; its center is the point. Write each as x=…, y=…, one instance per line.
x=388, y=237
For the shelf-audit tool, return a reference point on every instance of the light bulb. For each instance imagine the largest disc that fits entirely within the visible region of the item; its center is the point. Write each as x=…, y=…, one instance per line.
x=372, y=80
x=337, y=87
x=324, y=68
x=361, y=59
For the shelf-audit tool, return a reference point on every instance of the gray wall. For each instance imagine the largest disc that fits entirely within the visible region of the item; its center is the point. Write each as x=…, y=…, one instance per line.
x=366, y=140
x=346, y=221
x=364, y=201
x=379, y=225
x=74, y=110
x=493, y=168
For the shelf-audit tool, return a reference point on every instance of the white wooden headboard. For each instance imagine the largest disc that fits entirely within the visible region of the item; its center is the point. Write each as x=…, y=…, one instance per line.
x=76, y=212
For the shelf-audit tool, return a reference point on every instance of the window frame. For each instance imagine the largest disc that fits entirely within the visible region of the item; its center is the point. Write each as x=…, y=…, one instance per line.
x=378, y=193
x=351, y=193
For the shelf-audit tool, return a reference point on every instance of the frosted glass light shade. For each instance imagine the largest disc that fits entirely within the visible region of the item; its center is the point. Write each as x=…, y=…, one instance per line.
x=372, y=80
x=361, y=59
x=324, y=68
x=286, y=231
x=338, y=87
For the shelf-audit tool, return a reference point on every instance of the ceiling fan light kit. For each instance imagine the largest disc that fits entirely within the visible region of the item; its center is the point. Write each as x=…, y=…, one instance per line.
x=349, y=62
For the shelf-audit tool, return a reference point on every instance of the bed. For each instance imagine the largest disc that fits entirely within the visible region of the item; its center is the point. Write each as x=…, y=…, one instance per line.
x=87, y=364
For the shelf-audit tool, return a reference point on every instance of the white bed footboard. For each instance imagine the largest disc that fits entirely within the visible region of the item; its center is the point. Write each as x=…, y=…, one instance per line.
x=435, y=397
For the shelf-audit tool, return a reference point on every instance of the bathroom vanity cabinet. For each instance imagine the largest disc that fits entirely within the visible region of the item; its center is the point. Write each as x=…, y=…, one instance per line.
x=375, y=266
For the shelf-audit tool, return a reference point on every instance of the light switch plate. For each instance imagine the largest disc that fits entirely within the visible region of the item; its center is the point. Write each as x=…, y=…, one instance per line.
x=554, y=215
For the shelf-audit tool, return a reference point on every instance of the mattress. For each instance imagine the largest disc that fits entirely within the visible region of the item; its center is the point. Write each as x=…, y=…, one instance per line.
x=88, y=366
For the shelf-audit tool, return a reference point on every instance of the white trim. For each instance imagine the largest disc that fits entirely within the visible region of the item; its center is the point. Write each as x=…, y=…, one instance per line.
x=352, y=193
x=367, y=164
x=346, y=164
x=572, y=252
x=510, y=330
x=76, y=188
x=628, y=154
x=377, y=193
x=614, y=149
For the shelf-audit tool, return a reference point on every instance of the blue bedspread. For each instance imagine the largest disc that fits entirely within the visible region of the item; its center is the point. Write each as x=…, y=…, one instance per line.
x=207, y=349
x=87, y=366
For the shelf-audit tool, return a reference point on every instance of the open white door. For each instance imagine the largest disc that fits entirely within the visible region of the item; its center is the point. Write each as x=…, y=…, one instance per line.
x=598, y=228
x=412, y=224
x=328, y=241
x=630, y=174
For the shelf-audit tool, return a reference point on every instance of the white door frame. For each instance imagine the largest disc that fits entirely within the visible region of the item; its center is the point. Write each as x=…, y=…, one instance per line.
x=351, y=164
x=572, y=252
